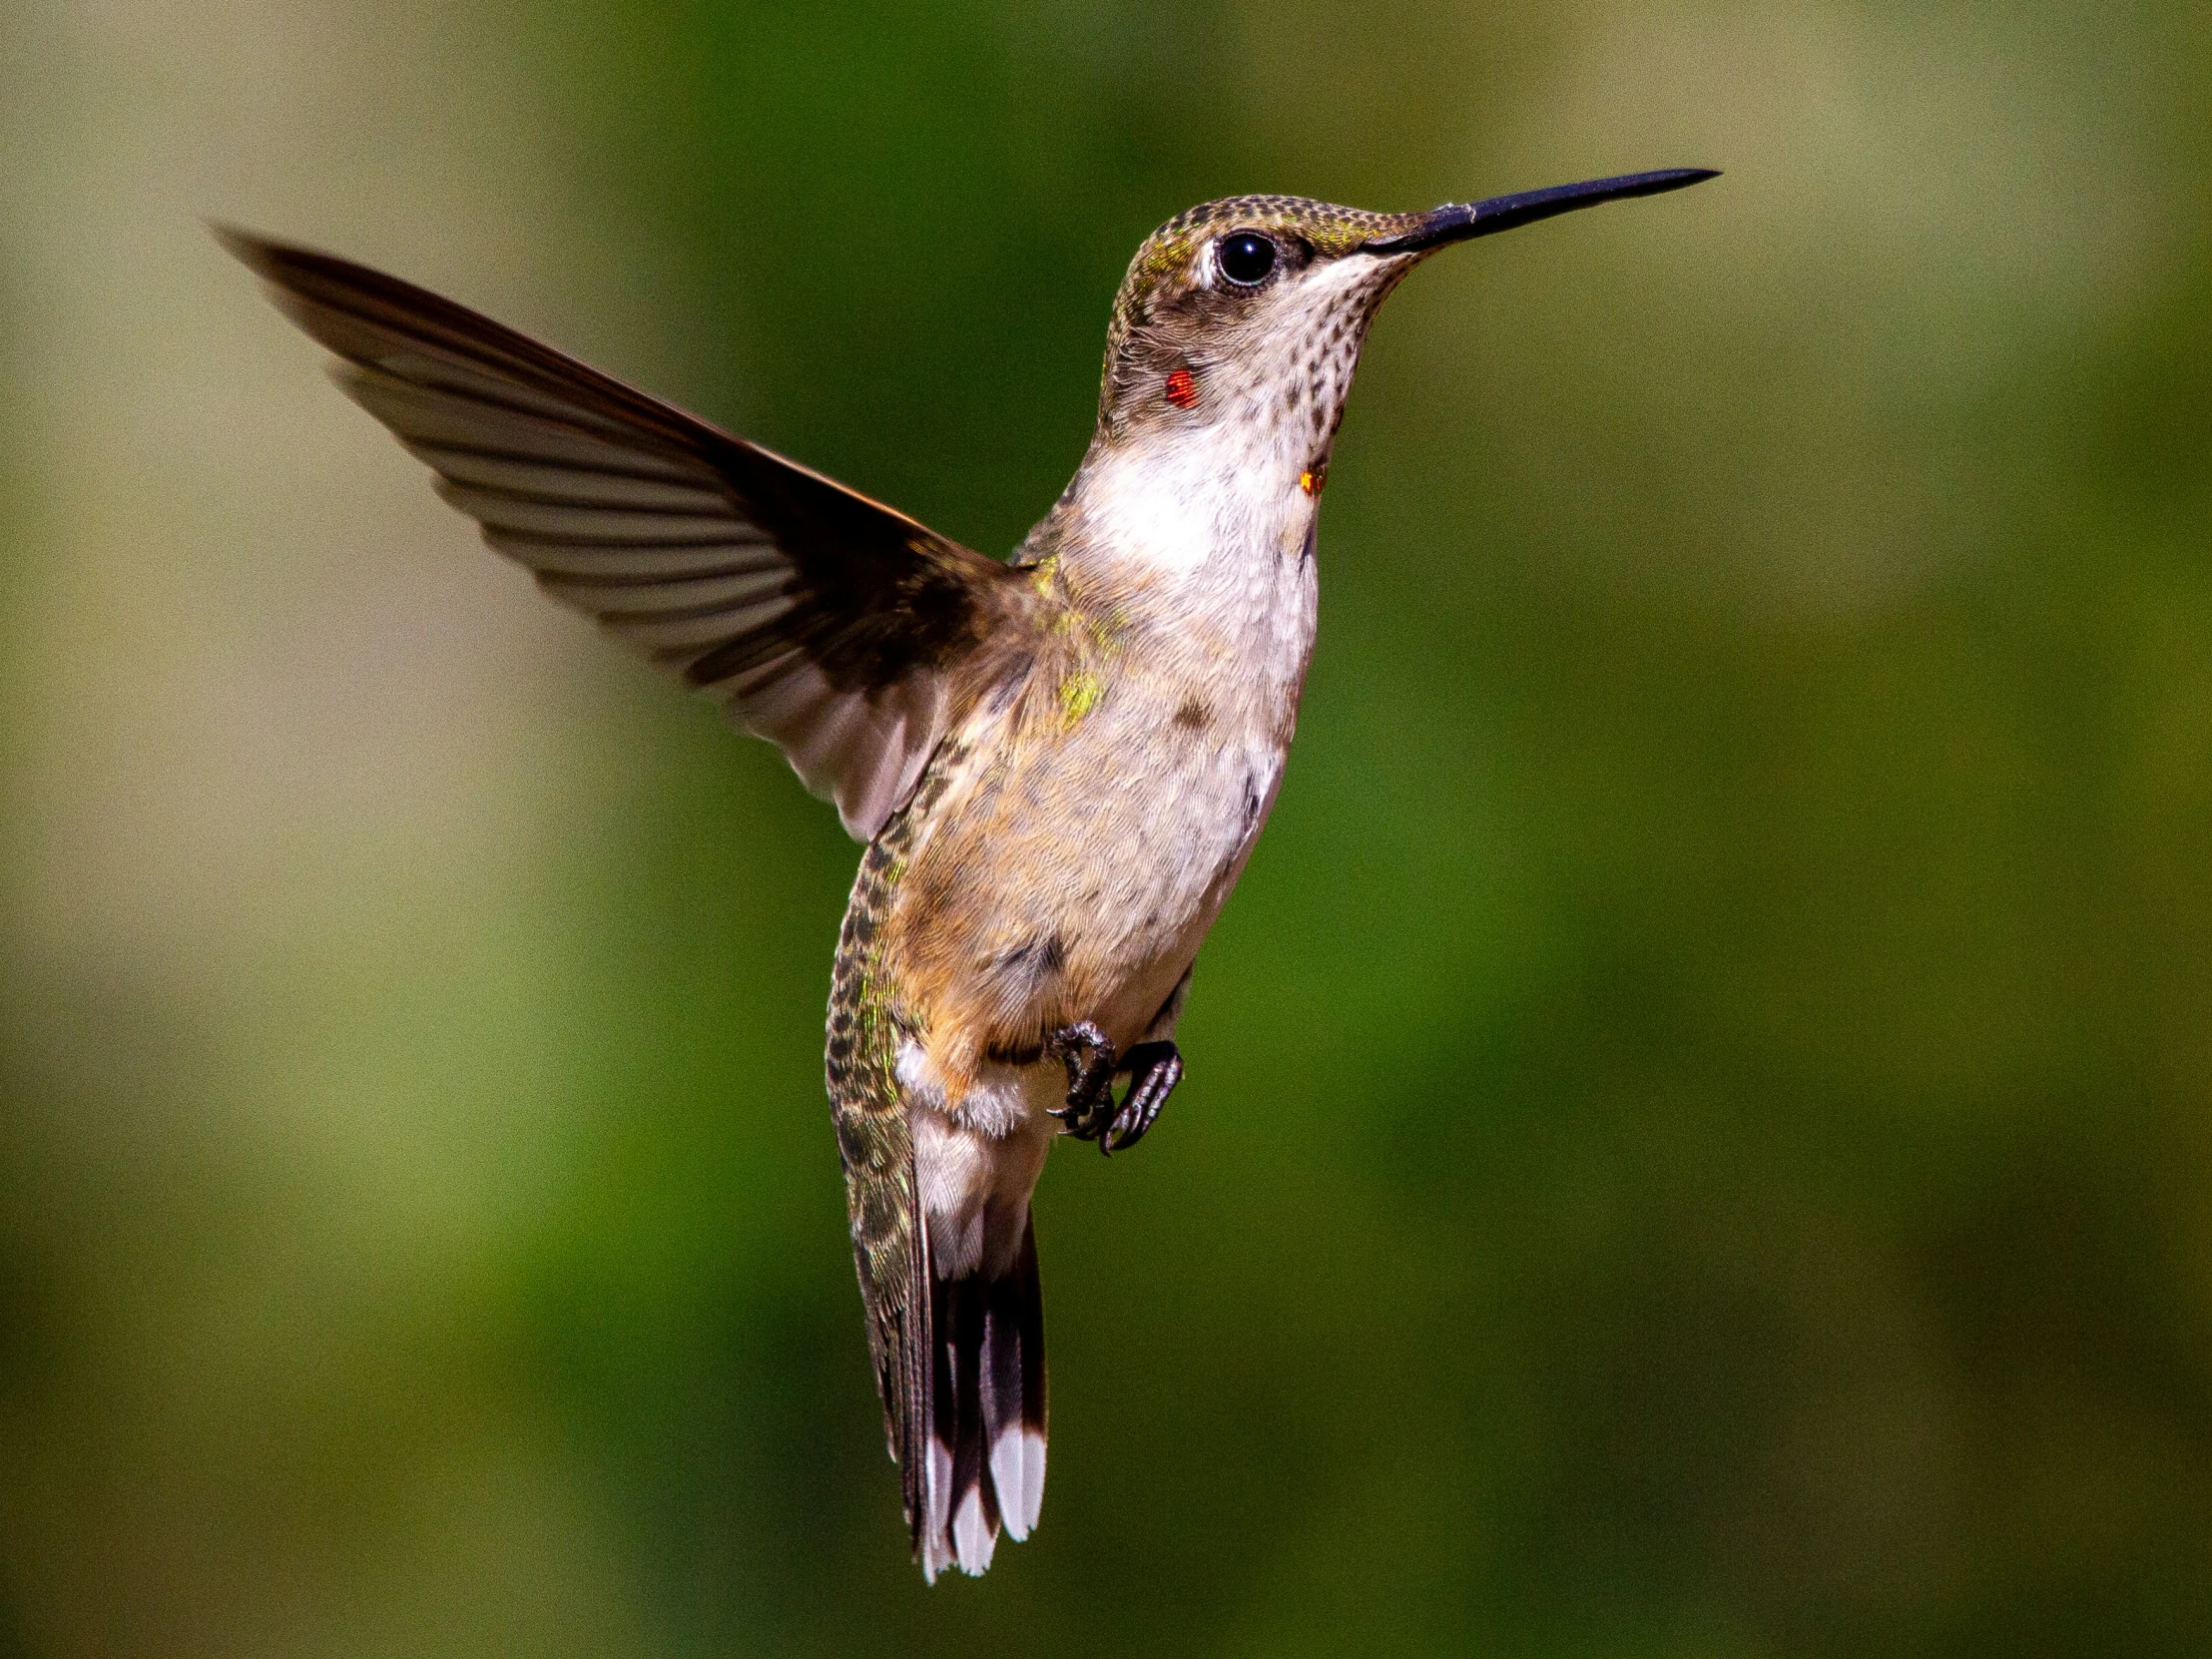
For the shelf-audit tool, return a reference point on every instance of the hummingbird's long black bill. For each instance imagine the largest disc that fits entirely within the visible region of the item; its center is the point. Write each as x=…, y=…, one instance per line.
x=1462, y=220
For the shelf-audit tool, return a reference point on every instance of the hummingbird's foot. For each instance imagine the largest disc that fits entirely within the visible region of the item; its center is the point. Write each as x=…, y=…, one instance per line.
x=1090, y=1059
x=1091, y=1113
x=1154, y=1070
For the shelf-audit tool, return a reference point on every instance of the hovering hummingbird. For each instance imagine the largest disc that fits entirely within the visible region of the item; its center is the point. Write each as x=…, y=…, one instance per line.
x=1059, y=763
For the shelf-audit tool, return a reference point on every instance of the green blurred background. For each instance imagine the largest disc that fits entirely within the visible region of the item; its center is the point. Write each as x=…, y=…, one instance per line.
x=1697, y=1133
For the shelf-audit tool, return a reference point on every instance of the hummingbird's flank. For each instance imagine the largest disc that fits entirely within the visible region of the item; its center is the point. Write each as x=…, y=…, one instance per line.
x=1059, y=763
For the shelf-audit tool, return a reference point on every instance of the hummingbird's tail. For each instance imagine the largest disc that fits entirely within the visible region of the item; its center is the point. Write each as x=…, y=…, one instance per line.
x=983, y=1462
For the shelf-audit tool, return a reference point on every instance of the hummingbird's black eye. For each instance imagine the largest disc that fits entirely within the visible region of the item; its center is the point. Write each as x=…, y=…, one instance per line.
x=1246, y=257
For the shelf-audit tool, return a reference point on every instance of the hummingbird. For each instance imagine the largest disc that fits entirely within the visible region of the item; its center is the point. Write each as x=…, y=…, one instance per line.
x=1059, y=763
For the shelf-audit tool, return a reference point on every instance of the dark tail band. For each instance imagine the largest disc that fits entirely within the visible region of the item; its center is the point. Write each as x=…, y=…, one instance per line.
x=984, y=1462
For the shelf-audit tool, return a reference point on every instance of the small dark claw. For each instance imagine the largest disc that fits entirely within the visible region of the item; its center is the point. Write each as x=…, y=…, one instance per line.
x=1154, y=1070
x=1090, y=1061
x=1091, y=1113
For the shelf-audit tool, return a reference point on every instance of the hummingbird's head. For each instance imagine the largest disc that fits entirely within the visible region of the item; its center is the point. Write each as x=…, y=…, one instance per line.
x=1250, y=313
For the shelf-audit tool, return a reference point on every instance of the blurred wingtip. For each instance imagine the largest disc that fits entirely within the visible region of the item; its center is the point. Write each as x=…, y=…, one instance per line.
x=270, y=258
x=238, y=241
x=262, y=255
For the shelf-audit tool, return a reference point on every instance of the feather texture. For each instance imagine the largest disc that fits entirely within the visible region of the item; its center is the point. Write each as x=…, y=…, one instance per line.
x=828, y=623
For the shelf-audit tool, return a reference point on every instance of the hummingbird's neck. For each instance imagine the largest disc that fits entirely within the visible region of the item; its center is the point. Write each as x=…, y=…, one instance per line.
x=1205, y=465
x=1173, y=522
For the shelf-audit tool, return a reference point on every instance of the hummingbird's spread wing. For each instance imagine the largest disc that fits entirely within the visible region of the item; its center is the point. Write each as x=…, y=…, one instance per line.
x=828, y=622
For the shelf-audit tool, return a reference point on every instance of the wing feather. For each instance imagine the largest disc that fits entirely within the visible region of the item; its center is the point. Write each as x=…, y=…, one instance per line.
x=826, y=621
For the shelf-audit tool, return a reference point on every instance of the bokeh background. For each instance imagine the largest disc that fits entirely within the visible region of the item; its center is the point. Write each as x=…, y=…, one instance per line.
x=1696, y=1135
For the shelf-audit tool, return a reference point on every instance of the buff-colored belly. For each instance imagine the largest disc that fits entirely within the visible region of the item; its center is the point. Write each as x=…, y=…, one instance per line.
x=1075, y=881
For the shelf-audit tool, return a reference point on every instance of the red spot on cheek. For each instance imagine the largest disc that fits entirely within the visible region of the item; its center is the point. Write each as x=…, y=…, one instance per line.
x=1183, y=390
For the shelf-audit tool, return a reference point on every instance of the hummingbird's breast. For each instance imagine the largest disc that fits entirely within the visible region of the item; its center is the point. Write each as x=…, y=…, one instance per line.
x=1103, y=802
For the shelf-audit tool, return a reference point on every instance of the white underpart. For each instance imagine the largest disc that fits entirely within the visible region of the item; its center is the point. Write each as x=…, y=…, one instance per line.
x=1201, y=533
x=1229, y=488
x=975, y=1167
